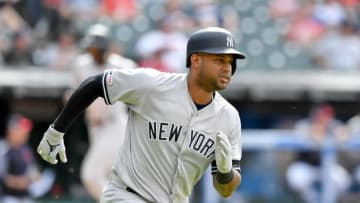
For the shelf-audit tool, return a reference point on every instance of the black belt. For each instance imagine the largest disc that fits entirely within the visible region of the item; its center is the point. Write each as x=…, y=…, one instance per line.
x=129, y=189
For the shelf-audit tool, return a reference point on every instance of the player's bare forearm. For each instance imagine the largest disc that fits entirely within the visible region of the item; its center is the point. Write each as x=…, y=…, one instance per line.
x=226, y=190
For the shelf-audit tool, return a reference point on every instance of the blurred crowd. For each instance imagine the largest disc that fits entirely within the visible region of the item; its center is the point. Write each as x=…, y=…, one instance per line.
x=275, y=34
x=47, y=33
x=327, y=29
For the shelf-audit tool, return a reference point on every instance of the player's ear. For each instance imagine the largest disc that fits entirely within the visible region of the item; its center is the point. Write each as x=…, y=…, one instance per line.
x=195, y=60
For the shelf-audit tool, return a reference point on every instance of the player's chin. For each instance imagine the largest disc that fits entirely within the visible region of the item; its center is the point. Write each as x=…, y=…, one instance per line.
x=221, y=86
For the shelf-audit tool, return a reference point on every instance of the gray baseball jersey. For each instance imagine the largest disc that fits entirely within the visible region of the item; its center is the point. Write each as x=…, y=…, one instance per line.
x=169, y=143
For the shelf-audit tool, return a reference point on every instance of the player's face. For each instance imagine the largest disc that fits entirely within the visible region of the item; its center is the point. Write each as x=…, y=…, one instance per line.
x=216, y=70
x=97, y=54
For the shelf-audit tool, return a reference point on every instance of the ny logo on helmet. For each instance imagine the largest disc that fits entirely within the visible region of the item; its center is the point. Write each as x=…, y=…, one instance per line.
x=229, y=41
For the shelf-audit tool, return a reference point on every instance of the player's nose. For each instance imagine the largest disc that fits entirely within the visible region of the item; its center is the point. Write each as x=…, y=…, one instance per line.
x=227, y=68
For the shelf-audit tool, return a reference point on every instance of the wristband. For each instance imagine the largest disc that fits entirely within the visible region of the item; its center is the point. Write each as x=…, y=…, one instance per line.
x=224, y=178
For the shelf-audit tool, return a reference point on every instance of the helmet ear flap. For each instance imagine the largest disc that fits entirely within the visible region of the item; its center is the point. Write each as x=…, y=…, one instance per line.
x=188, y=60
x=233, y=67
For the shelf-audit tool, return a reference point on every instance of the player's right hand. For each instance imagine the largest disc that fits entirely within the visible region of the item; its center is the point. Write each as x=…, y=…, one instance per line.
x=223, y=153
x=51, y=145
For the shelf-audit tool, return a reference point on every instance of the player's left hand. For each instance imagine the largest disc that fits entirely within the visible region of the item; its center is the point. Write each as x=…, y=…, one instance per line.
x=51, y=145
x=223, y=153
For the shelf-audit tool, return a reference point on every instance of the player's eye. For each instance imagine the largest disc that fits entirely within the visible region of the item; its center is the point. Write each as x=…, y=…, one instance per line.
x=220, y=60
x=223, y=61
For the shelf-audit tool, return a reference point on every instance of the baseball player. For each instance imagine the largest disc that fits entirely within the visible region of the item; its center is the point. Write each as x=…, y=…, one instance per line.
x=102, y=120
x=178, y=124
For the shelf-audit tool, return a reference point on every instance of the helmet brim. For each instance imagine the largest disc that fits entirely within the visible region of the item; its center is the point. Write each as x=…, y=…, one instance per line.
x=236, y=53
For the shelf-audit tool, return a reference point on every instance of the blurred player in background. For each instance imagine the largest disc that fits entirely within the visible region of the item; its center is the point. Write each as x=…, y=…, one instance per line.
x=303, y=175
x=20, y=179
x=102, y=120
x=353, y=126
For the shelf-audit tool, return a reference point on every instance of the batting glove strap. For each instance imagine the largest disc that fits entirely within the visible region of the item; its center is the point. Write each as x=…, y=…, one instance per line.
x=53, y=135
x=224, y=178
x=235, y=166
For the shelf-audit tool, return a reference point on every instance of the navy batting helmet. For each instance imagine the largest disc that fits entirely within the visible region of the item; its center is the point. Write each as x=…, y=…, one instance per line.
x=212, y=40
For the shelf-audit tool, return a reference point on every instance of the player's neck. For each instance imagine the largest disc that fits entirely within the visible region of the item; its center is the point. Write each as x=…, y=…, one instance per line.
x=201, y=100
x=199, y=95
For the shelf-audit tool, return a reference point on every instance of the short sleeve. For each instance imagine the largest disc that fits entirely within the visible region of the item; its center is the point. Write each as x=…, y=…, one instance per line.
x=127, y=85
